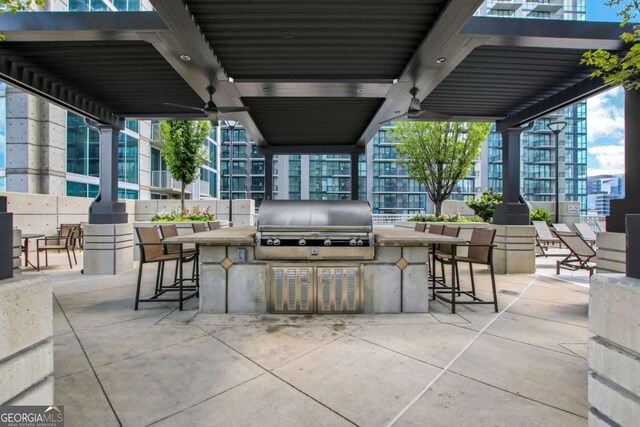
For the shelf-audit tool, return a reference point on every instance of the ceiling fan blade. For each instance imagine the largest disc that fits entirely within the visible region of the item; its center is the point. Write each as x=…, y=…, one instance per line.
x=184, y=106
x=232, y=109
x=212, y=116
x=392, y=118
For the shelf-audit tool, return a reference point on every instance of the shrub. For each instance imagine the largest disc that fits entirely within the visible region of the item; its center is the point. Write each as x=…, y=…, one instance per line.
x=540, y=215
x=194, y=215
x=485, y=206
x=441, y=218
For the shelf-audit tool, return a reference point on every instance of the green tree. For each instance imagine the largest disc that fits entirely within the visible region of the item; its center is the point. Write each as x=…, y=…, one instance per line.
x=183, y=151
x=619, y=69
x=439, y=154
x=485, y=206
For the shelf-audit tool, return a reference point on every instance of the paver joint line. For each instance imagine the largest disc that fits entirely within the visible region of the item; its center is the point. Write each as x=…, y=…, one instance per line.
x=413, y=401
x=104, y=392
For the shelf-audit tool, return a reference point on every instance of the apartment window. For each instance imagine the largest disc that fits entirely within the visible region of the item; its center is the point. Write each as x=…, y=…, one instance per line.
x=540, y=15
x=127, y=159
x=3, y=134
x=81, y=189
x=83, y=147
x=502, y=13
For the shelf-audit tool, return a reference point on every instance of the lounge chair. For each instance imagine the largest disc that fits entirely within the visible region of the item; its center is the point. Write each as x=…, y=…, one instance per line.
x=544, y=236
x=586, y=232
x=580, y=256
x=562, y=228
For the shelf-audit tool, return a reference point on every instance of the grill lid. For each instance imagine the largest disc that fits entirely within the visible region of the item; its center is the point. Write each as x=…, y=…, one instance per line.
x=315, y=215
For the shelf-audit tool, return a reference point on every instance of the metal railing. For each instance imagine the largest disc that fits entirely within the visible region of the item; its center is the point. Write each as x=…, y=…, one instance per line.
x=593, y=220
x=205, y=187
x=390, y=219
x=163, y=179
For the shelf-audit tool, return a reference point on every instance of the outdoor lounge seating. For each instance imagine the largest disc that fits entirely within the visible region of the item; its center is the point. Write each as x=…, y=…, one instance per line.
x=62, y=242
x=562, y=228
x=152, y=250
x=544, y=237
x=586, y=232
x=480, y=252
x=580, y=256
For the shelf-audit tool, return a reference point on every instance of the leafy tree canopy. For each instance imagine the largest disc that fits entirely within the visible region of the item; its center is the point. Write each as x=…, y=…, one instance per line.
x=183, y=151
x=439, y=154
x=618, y=69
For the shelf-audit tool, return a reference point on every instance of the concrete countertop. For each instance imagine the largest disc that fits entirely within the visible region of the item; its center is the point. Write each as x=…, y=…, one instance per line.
x=245, y=236
x=231, y=236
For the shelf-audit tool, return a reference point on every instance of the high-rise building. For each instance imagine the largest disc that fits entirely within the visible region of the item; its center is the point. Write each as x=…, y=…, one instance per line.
x=601, y=190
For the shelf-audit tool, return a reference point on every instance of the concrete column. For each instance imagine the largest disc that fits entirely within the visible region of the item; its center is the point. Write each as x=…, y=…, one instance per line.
x=268, y=176
x=26, y=347
x=108, y=248
x=355, y=157
x=106, y=209
x=305, y=175
x=511, y=211
x=6, y=244
x=631, y=202
x=614, y=351
x=36, y=145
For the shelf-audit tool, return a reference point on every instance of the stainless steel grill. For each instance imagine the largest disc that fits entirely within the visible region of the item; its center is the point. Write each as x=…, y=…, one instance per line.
x=316, y=229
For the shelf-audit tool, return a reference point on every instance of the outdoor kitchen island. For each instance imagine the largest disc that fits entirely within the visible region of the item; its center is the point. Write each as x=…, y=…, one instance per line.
x=233, y=279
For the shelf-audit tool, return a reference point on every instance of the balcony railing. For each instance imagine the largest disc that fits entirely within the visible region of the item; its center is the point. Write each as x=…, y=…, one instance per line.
x=204, y=188
x=164, y=180
x=236, y=156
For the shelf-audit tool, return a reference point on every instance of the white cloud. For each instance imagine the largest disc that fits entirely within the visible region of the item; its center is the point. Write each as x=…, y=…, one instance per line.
x=605, y=119
x=610, y=159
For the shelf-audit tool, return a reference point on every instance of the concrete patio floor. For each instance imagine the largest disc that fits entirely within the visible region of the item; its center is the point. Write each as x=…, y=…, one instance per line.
x=158, y=366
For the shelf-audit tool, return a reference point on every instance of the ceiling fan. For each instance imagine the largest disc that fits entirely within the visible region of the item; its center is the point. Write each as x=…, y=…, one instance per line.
x=415, y=110
x=210, y=108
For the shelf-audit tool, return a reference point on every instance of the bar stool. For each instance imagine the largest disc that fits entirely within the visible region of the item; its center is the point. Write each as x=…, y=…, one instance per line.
x=421, y=227
x=480, y=252
x=199, y=227
x=152, y=250
x=433, y=229
x=214, y=225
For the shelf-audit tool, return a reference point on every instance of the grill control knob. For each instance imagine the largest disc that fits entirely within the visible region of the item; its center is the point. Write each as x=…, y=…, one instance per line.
x=327, y=242
x=302, y=242
x=269, y=242
x=276, y=242
x=359, y=242
x=352, y=242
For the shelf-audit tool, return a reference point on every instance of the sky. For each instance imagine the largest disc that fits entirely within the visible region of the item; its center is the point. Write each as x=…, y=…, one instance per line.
x=605, y=114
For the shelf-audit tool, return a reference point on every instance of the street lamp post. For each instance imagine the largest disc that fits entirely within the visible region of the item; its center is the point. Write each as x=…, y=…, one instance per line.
x=556, y=128
x=231, y=125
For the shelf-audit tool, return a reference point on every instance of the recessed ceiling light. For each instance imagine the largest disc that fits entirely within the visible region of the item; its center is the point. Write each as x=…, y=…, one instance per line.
x=266, y=89
x=360, y=90
x=231, y=79
x=395, y=81
x=397, y=111
x=441, y=60
x=185, y=57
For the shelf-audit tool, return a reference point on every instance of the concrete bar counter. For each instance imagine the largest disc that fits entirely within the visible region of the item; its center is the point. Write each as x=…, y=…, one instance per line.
x=233, y=280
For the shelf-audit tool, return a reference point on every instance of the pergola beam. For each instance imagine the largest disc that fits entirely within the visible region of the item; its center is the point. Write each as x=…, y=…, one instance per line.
x=79, y=26
x=34, y=82
x=573, y=94
x=203, y=68
x=423, y=71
